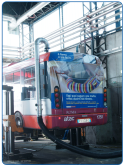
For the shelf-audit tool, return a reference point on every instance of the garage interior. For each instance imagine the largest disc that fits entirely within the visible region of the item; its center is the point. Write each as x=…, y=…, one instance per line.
x=93, y=28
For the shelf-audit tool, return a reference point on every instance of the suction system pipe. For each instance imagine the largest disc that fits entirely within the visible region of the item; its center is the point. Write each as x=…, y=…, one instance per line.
x=39, y=113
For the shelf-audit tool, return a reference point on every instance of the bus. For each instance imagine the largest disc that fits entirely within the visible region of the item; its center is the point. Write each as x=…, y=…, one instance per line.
x=72, y=89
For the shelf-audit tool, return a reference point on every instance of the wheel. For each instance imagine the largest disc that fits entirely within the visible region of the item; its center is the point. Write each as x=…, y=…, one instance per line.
x=18, y=119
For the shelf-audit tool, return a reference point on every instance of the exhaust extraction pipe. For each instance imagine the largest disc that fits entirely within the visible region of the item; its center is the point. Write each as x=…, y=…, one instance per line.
x=39, y=113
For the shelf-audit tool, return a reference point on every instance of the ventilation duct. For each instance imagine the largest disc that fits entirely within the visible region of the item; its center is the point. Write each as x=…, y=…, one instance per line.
x=11, y=20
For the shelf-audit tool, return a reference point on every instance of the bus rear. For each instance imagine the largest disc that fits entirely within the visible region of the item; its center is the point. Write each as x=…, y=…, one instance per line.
x=78, y=96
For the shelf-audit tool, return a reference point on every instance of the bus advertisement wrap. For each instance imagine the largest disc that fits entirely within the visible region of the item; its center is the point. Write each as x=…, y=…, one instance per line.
x=80, y=80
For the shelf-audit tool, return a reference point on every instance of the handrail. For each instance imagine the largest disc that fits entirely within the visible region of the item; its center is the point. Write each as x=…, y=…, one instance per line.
x=84, y=29
x=81, y=19
x=28, y=50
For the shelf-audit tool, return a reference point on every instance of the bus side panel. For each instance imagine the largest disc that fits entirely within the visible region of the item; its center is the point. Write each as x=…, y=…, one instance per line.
x=30, y=121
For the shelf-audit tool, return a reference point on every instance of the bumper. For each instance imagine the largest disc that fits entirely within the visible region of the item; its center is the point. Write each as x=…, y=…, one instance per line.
x=66, y=121
x=72, y=121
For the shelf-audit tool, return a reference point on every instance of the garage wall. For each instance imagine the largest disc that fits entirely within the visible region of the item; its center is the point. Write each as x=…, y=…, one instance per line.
x=114, y=68
x=112, y=131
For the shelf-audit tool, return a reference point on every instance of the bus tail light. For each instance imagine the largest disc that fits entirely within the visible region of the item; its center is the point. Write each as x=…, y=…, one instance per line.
x=57, y=97
x=57, y=105
x=105, y=96
x=105, y=99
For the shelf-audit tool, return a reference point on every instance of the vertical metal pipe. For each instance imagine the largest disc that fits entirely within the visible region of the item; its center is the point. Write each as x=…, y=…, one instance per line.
x=6, y=128
x=31, y=37
x=11, y=112
x=6, y=140
x=92, y=41
x=45, y=78
x=97, y=32
x=31, y=33
x=37, y=72
x=62, y=23
x=84, y=32
x=104, y=16
x=7, y=103
x=22, y=35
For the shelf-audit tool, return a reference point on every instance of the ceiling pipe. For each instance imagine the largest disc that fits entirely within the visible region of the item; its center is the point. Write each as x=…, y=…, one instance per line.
x=31, y=11
x=32, y=17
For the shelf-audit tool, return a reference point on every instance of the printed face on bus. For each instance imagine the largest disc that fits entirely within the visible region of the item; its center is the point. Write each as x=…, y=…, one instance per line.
x=99, y=73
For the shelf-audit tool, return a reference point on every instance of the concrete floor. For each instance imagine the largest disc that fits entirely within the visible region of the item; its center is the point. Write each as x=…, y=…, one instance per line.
x=44, y=152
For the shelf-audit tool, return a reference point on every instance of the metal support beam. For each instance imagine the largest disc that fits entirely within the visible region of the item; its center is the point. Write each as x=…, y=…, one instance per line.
x=62, y=22
x=22, y=34
x=31, y=33
x=6, y=93
x=11, y=112
x=84, y=32
x=31, y=36
x=99, y=46
x=78, y=136
x=92, y=41
x=90, y=47
x=97, y=32
x=118, y=24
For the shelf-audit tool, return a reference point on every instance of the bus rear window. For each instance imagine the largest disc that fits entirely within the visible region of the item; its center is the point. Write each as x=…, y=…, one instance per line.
x=30, y=72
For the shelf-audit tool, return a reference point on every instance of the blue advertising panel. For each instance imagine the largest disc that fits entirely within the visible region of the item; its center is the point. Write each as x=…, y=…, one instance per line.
x=76, y=100
x=79, y=78
x=61, y=56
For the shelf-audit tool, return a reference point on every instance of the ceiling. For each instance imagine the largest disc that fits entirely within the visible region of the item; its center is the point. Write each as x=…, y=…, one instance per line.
x=16, y=9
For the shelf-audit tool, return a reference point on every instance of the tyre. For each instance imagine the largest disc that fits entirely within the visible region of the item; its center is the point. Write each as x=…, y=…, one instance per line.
x=18, y=119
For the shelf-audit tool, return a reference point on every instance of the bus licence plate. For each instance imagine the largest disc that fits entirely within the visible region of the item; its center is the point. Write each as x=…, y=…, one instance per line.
x=84, y=120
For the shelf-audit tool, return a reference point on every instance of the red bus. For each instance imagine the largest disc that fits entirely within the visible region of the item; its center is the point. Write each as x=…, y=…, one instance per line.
x=72, y=90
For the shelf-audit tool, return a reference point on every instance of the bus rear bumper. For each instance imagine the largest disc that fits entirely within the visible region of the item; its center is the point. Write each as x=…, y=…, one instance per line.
x=66, y=121
x=72, y=121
